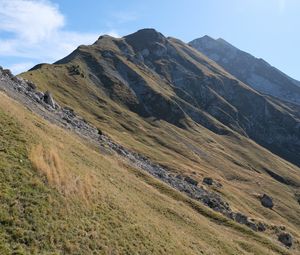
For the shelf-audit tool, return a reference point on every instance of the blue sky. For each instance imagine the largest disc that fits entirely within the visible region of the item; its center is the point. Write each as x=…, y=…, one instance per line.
x=35, y=31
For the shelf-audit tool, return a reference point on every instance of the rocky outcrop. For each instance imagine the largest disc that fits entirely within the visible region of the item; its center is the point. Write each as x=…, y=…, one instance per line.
x=48, y=99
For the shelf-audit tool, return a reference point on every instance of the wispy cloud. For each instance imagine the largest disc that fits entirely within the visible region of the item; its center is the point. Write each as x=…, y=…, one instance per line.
x=35, y=30
x=281, y=5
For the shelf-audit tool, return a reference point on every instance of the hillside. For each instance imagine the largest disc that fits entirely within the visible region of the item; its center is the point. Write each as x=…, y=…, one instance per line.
x=61, y=195
x=159, y=100
x=253, y=71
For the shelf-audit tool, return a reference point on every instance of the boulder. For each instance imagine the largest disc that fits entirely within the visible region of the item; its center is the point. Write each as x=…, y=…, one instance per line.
x=241, y=218
x=267, y=201
x=191, y=180
x=286, y=239
x=208, y=180
x=48, y=99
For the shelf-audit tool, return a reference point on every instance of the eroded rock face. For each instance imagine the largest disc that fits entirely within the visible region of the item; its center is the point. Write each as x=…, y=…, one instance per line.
x=48, y=99
x=267, y=201
x=286, y=239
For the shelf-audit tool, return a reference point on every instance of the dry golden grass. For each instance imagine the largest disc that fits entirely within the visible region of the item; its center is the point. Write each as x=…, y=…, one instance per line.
x=49, y=164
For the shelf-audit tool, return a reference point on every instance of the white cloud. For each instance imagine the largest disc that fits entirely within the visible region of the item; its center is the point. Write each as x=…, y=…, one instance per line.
x=30, y=20
x=20, y=67
x=34, y=30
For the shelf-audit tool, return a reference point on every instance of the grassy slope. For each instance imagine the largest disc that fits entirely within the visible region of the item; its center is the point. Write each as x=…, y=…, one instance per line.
x=236, y=162
x=61, y=196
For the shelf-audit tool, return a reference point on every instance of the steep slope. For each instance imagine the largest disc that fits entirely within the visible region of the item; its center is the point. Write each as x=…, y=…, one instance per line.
x=61, y=195
x=161, y=98
x=259, y=74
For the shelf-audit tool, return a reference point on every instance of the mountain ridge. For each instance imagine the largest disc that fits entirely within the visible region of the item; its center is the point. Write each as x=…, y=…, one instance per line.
x=253, y=71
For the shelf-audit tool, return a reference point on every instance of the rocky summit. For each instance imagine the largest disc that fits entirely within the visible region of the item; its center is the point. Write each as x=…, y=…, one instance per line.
x=148, y=145
x=253, y=71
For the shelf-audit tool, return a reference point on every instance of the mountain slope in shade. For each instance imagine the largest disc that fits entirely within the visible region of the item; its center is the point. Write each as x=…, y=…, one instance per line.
x=255, y=72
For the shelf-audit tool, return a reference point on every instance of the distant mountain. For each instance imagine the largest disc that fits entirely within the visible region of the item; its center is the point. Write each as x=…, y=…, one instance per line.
x=255, y=72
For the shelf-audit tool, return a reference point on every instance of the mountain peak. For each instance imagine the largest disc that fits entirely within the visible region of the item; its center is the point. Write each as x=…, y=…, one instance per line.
x=145, y=37
x=253, y=71
x=224, y=42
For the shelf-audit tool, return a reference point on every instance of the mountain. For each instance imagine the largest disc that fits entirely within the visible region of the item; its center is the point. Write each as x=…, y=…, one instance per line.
x=255, y=72
x=165, y=79
x=144, y=145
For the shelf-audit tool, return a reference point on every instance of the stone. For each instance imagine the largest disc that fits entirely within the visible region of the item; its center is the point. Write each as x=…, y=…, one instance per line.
x=7, y=72
x=267, y=201
x=31, y=85
x=48, y=99
x=241, y=218
x=208, y=180
x=252, y=225
x=191, y=180
x=286, y=239
x=261, y=227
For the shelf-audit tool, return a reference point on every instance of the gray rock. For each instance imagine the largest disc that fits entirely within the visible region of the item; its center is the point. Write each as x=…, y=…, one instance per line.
x=267, y=201
x=40, y=95
x=241, y=218
x=48, y=99
x=286, y=239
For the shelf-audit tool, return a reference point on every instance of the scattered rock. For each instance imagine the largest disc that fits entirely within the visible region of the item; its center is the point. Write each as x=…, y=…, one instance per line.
x=261, y=227
x=241, y=218
x=267, y=201
x=208, y=180
x=251, y=225
x=191, y=180
x=286, y=239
